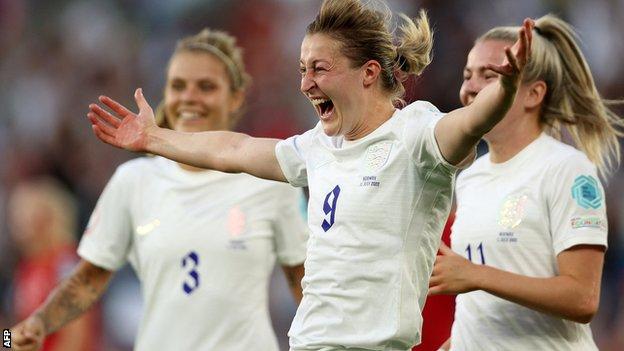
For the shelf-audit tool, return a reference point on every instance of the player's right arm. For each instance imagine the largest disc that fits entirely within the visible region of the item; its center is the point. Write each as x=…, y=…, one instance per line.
x=70, y=299
x=219, y=150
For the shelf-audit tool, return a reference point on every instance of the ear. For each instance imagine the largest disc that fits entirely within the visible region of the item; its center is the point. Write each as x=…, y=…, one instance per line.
x=371, y=71
x=536, y=92
x=236, y=100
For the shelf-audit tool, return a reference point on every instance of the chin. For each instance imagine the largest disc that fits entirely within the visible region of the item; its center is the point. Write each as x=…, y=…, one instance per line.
x=193, y=128
x=331, y=128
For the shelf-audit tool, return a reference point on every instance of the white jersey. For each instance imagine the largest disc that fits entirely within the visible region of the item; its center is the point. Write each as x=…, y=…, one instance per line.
x=203, y=245
x=376, y=213
x=518, y=216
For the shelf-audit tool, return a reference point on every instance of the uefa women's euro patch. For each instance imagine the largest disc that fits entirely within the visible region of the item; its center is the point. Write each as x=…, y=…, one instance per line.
x=586, y=192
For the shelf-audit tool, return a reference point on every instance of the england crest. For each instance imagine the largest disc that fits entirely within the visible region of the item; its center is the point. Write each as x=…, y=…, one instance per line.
x=377, y=155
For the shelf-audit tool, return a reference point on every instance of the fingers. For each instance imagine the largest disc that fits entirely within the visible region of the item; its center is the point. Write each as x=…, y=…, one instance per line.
x=140, y=101
x=105, y=115
x=445, y=250
x=503, y=70
x=511, y=58
x=107, y=129
x=103, y=136
x=115, y=106
x=24, y=339
x=529, y=24
x=435, y=290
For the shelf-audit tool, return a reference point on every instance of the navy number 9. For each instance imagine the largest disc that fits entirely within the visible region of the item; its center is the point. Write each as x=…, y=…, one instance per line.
x=330, y=209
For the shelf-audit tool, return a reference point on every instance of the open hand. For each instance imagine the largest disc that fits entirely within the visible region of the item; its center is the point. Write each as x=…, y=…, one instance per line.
x=452, y=274
x=28, y=335
x=517, y=57
x=123, y=128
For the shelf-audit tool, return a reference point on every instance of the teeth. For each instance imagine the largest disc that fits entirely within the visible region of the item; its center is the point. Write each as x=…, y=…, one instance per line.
x=188, y=114
x=317, y=102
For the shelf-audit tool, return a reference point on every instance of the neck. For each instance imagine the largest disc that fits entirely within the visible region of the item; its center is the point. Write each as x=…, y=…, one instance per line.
x=504, y=145
x=373, y=115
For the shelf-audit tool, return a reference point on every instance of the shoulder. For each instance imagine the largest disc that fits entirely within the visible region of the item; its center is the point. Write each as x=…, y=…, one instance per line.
x=416, y=118
x=134, y=170
x=560, y=157
x=476, y=169
x=138, y=164
x=420, y=110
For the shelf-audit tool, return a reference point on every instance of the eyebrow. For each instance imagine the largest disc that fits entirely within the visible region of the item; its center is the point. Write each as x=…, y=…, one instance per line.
x=313, y=62
x=192, y=79
x=479, y=68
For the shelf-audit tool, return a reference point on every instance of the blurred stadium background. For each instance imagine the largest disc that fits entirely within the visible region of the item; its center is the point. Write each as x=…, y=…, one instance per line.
x=57, y=56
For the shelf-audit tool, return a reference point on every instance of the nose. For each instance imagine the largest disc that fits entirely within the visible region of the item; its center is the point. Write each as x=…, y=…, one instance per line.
x=469, y=89
x=190, y=94
x=307, y=83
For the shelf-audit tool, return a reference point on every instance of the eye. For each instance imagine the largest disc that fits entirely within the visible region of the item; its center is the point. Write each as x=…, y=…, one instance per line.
x=177, y=85
x=207, y=86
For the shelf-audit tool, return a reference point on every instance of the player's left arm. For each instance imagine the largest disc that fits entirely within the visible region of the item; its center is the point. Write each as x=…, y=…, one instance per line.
x=294, y=274
x=573, y=294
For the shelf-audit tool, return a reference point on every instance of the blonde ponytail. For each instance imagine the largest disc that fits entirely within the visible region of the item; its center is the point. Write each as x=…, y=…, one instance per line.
x=572, y=103
x=415, y=44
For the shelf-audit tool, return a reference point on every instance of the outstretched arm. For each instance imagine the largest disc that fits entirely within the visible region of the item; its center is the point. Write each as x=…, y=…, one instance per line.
x=574, y=294
x=219, y=150
x=70, y=299
x=460, y=130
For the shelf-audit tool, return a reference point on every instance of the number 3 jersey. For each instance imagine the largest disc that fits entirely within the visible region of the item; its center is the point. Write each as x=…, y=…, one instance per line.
x=376, y=213
x=518, y=216
x=203, y=245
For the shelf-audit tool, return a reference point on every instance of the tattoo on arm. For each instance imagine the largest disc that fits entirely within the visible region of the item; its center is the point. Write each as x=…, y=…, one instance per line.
x=73, y=296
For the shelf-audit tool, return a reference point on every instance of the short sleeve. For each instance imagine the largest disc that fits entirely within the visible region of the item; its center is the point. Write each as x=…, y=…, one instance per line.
x=419, y=136
x=290, y=227
x=292, y=156
x=576, y=205
x=107, y=239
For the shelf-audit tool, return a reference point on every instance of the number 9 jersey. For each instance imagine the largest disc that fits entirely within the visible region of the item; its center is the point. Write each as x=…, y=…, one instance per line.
x=203, y=245
x=376, y=213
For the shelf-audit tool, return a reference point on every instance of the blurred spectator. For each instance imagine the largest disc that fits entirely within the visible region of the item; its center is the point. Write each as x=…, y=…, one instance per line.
x=42, y=218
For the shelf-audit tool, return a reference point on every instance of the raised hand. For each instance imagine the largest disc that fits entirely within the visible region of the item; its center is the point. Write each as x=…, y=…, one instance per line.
x=452, y=273
x=123, y=128
x=517, y=57
x=28, y=335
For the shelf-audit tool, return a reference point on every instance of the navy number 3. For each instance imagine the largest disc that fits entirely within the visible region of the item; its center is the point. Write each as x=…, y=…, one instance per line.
x=192, y=260
x=330, y=209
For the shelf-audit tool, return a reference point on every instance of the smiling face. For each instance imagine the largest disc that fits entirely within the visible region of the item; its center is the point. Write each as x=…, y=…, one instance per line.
x=330, y=83
x=198, y=94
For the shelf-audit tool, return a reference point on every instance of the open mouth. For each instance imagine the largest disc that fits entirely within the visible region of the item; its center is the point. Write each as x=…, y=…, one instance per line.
x=324, y=107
